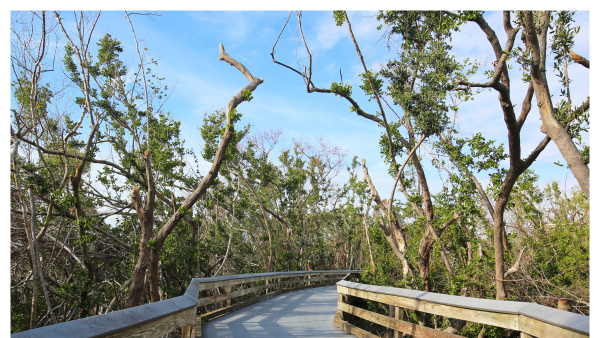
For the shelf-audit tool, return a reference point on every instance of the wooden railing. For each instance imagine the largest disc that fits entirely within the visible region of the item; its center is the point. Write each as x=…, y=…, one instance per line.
x=528, y=318
x=188, y=312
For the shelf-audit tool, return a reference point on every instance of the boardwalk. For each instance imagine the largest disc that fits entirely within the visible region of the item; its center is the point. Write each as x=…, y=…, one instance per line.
x=305, y=313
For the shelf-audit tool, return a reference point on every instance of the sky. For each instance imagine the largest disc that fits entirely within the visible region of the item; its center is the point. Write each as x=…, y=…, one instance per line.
x=186, y=43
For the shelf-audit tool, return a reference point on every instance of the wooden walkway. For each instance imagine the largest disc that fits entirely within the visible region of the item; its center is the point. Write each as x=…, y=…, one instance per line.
x=305, y=313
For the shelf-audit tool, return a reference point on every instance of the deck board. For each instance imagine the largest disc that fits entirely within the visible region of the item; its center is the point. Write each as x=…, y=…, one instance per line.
x=305, y=313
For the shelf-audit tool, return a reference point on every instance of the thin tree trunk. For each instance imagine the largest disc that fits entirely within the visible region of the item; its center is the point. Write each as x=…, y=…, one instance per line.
x=146, y=217
x=550, y=125
x=505, y=190
x=34, y=293
x=213, y=172
x=369, y=244
x=39, y=275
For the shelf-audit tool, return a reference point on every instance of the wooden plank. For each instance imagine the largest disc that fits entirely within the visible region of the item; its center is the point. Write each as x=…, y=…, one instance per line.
x=128, y=320
x=304, y=287
x=189, y=331
x=398, y=314
x=307, y=313
x=566, y=320
x=509, y=321
x=217, y=313
x=489, y=305
x=158, y=328
x=539, y=328
x=228, y=296
x=569, y=321
x=353, y=330
x=222, y=311
x=395, y=324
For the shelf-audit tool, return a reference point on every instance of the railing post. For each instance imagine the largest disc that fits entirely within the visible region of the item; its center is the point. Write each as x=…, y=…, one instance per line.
x=390, y=333
x=228, y=291
x=339, y=315
x=188, y=331
x=398, y=314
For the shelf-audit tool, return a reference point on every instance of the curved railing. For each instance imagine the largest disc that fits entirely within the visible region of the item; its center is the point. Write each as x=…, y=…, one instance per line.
x=159, y=318
x=528, y=318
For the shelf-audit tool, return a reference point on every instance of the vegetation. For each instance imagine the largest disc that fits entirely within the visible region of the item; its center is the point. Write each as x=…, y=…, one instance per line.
x=109, y=209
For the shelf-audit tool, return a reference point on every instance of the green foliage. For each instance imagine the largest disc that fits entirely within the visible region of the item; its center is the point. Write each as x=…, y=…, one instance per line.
x=247, y=95
x=367, y=79
x=425, y=71
x=214, y=127
x=339, y=17
x=341, y=89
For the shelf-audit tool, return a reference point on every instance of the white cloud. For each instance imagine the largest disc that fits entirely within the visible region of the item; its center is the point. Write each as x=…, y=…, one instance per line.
x=327, y=34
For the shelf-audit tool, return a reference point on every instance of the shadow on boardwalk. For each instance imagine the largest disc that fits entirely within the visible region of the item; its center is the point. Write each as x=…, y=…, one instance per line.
x=306, y=313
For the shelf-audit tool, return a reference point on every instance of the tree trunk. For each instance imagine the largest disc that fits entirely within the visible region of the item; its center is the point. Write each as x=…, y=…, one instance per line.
x=139, y=274
x=213, y=172
x=369, y=244
x=505, y=190
x=146, y=217
x=550, y=125
x=425, y=246
x=191, y=261
x=38, y=270
x=153, y=276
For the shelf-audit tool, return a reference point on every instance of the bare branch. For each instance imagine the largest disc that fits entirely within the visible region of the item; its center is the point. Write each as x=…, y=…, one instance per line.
x=579, y=59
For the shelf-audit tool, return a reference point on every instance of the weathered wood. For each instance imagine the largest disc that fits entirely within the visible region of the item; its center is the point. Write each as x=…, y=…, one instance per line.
x=538, y=328
x=389, y=333
x=398, y=314
x=225, y=310
x=150, y=319
x=508, y=321
x=396, y=324
x=214, y=282
x=351, y=329
x=229, y=295
x=306, y=313
x=529, y=318
x=524, y=335
x=160, y=327
x=228, y=291
x=189, y=331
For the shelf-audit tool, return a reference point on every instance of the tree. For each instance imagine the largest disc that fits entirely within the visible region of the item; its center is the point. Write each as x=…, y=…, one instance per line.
x=559, y=132
x=419, y=82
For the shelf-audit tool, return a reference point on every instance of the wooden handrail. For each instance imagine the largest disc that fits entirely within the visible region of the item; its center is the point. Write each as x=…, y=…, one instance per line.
x=528, y=318
x=159, y=318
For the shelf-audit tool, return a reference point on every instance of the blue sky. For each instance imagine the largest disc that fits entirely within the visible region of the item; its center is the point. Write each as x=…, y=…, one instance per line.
x=186, y=44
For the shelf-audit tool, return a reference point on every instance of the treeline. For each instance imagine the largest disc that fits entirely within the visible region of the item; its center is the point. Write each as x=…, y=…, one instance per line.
x=110, y=210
